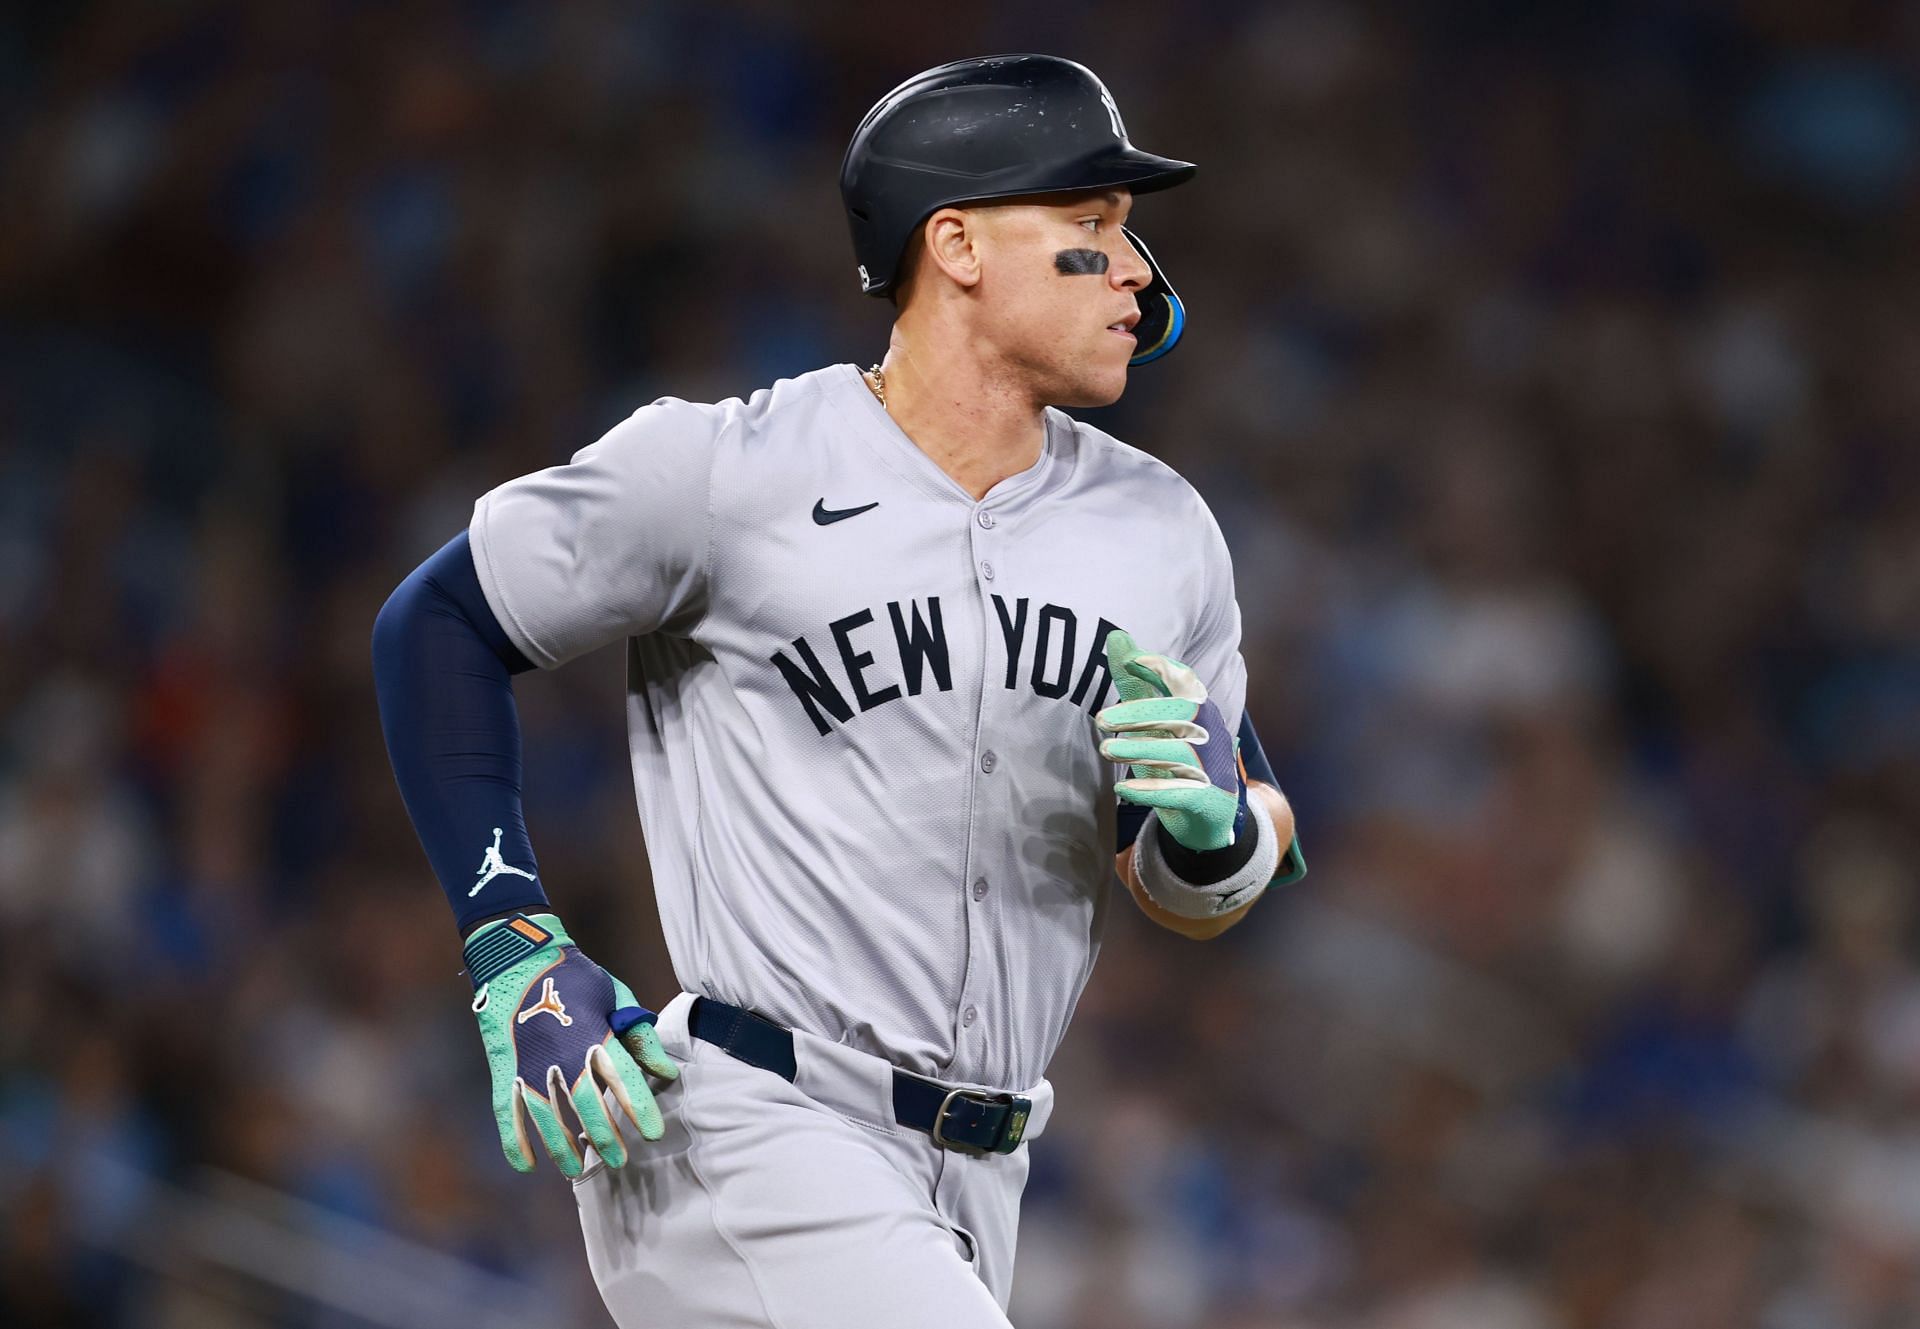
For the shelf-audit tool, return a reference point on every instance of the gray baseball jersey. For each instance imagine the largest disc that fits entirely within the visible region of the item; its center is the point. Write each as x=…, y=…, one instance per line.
x=861, y=703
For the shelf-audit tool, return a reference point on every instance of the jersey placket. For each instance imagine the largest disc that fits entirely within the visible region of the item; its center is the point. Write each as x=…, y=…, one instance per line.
x=977, y=1012
x=969, y=1026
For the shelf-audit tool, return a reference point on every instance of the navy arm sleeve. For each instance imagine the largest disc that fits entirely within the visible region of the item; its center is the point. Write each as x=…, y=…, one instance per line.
x=1253, y=757
x=442, y=670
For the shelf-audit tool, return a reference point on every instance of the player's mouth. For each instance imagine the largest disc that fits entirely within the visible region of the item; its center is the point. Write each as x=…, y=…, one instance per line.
x=1124, y=327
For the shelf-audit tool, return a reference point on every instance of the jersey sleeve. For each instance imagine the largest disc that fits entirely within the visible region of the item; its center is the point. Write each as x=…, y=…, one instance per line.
x=613, y=544
x=1213, y=642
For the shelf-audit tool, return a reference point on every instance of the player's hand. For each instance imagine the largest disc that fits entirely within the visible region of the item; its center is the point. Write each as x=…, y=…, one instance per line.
x=559, y=1029
x=1183, y=762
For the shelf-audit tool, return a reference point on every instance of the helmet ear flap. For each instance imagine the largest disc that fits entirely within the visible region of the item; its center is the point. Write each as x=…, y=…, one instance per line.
x=1162, y=317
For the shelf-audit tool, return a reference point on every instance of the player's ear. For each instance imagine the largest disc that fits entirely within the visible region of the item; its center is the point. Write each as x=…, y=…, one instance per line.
x=953, y=244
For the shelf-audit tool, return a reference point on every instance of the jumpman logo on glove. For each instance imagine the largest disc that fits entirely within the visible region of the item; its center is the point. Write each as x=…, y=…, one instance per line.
x=549, y=1002
x=492, y=865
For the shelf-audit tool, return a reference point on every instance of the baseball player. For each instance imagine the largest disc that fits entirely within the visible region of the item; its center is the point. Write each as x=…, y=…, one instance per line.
x=885, y=631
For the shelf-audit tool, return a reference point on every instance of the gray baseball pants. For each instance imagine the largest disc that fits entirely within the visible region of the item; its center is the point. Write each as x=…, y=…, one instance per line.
x=799, y=1205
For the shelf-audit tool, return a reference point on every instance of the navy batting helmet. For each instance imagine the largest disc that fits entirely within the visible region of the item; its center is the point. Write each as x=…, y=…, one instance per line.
x=997, y=127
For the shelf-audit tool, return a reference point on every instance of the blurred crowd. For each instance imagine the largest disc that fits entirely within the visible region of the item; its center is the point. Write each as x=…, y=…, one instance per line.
x=1553, y=371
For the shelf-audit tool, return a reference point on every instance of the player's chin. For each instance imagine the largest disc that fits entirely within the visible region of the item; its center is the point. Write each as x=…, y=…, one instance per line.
x=1109, y=388
x=1101, y=380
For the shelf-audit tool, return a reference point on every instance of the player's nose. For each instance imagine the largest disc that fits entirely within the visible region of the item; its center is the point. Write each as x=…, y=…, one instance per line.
x=1129, y=271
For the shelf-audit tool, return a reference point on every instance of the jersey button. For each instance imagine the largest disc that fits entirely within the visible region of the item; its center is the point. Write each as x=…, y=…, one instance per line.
x=968, y=1016
x=986, y=570
x=985, y=519
x=988, y=761
x=980, y=888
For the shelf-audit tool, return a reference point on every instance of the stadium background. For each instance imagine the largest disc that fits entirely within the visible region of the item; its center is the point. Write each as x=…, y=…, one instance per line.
x=1552, y=372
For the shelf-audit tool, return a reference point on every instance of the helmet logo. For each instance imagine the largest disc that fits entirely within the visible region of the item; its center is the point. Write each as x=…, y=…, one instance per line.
x=1113, y=114
x=864, y=280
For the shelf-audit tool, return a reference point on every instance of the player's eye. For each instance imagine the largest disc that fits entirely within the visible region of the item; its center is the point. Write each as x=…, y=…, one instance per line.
x=1091, y=223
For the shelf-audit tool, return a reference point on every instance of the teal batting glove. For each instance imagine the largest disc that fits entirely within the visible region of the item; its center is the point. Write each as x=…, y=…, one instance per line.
x=1183, y=762
x=559, y=1028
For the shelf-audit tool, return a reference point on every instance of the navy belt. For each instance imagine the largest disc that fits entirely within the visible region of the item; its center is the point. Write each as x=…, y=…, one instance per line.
x=968, y=1121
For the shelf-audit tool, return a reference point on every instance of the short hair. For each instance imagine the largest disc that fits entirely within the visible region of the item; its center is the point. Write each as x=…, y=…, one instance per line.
x=909, y=266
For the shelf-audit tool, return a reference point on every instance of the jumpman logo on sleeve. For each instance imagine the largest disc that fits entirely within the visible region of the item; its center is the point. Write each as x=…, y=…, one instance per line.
x=493, y=866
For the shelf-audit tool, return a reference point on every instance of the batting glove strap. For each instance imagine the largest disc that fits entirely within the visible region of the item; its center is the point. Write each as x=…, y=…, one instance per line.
x=1187, y=899
x=500, y=945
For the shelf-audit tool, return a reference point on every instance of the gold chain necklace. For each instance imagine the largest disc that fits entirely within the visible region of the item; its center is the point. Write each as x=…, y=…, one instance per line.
x=878, y=384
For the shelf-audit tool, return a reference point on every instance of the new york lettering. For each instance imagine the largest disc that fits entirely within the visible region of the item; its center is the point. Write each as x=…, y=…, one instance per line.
x=1045, y=652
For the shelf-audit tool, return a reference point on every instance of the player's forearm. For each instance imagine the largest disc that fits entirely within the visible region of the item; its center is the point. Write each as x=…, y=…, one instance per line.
x=1279, y=811
x=442, y=672
x=1280, y=820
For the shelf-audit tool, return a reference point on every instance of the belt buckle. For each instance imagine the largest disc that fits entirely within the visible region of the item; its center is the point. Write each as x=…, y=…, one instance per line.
x=1012, y=1126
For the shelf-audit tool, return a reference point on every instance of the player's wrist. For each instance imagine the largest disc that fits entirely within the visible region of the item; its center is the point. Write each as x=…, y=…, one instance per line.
x=522, y=897
x=472, y=928
x=1191, y=899
x=1205, y=867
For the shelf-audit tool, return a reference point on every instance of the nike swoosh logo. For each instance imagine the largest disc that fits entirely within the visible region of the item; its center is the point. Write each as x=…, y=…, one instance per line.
x=825, y=516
